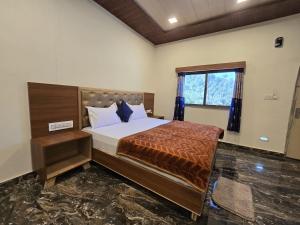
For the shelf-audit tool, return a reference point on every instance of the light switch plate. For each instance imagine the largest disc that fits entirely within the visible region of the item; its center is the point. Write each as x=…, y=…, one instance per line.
x=60, y=125
x=268, y=97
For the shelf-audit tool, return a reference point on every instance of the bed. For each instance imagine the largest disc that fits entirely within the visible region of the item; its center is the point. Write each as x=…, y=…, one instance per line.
x=108, y=140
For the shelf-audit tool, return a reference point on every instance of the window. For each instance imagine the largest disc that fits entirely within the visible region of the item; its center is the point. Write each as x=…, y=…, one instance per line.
x=209, y=89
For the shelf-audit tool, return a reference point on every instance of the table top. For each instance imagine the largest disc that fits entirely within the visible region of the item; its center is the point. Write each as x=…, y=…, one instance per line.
x=60, y=138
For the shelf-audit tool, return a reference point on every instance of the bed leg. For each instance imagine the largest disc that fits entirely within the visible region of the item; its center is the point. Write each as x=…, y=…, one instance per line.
x=86, y=166
x=49, y=183
x=194, y=216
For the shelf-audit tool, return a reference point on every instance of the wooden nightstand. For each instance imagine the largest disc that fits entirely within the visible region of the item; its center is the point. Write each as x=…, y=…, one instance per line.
x=157, y=117
x=55, y=154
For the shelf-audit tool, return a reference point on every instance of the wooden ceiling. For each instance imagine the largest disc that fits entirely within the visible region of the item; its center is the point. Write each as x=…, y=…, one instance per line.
x=146, y=20
x=192, y=11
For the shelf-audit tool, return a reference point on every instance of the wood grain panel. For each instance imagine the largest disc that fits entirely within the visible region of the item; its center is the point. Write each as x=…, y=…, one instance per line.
x=60, y=152
x=149, y=101
x=51, y=103
x=212, y=67
x=187, y=197
x=55, y=154
x=61, y=138
x=135, y=17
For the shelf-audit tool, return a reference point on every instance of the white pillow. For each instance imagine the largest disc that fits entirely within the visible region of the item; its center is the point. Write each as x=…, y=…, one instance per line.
x=100, y=117
x=138, y=112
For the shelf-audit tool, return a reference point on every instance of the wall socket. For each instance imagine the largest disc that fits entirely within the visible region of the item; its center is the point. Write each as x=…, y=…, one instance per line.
x=273, y=96
x=149, y=111
x=60, y=125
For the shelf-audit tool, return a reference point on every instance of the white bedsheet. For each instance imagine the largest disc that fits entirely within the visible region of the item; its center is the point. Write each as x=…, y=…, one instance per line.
x=106, y=139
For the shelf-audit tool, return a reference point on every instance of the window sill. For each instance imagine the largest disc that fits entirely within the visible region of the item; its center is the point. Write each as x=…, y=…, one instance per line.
x=208, y=106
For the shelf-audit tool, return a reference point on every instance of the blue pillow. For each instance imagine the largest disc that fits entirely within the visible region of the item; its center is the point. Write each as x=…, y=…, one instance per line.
x=124, y=112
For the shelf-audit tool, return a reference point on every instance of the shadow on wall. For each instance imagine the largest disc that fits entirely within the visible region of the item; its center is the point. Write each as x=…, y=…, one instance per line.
x=12, y=157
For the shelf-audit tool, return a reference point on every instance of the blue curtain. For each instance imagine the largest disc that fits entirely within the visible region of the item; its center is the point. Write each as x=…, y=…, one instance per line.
x=234, y=121
x=179, y=101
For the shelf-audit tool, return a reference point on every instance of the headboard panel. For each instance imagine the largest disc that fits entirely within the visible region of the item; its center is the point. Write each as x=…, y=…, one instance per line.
x=103, y=98
x=50, y=103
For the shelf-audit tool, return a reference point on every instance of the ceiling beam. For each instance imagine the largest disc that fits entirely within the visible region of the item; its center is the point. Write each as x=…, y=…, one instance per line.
x=135, y=17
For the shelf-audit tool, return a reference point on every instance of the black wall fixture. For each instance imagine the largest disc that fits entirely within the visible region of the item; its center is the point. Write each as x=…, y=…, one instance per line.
x=279, y=42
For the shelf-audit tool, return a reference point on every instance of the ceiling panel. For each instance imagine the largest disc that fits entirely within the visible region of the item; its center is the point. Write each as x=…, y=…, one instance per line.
x=192, y=11
x=216, y=8
x=201, y=9
x=196, y=17
x=184, y=6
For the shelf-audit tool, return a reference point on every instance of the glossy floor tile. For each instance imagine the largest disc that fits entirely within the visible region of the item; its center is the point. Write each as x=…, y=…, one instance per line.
x=98, y=196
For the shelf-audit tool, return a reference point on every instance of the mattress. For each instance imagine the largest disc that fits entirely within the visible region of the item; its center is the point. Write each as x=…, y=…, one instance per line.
x=106, y=139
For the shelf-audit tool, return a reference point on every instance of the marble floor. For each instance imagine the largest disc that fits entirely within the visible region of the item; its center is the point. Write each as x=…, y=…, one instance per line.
x=98, y=196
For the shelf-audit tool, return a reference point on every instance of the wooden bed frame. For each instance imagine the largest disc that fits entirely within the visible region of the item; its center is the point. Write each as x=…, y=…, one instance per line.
x=180, y=194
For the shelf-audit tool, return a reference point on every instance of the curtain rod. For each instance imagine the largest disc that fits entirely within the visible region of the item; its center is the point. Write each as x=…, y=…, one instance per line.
x=220, y=66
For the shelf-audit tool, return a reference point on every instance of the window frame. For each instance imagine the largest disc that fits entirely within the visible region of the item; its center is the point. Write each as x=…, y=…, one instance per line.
x=204, y=105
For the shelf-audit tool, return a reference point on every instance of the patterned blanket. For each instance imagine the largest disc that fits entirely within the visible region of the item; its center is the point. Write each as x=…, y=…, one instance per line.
x=183, y=149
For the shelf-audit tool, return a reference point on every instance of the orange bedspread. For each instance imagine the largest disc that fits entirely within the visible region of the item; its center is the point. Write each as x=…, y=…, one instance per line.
x=183, y=149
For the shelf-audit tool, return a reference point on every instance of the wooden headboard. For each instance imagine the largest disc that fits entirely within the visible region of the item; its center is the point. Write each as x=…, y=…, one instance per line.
x=50, y=103
x=104, y=98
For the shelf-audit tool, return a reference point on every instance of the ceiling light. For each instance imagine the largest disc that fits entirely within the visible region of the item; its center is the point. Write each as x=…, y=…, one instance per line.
x=172, y=20
x=240, y=1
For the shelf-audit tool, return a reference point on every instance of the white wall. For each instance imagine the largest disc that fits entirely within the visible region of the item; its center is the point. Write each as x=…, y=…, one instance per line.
x=267, y=69
x=74, y=42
